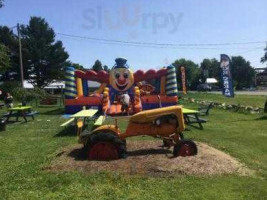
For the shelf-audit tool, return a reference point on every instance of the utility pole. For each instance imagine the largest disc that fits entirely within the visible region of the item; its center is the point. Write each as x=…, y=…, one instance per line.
x=20, y=59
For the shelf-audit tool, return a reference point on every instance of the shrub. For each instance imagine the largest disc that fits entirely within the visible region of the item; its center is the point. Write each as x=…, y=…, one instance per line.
x=28, y=95
x=8, y=86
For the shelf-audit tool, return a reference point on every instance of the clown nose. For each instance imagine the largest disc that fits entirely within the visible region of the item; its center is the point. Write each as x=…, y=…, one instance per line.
x=121, y=81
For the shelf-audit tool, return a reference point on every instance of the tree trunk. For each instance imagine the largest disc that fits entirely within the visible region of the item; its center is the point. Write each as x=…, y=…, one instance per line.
x=265, y=106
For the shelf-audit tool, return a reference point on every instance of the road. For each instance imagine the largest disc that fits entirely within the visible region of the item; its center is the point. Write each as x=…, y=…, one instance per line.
x=258, y=92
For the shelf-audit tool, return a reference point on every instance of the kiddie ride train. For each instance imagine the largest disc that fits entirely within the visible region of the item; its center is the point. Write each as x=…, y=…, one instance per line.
x=153, y=106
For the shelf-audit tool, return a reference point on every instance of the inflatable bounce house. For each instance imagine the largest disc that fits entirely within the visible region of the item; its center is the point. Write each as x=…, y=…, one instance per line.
x=147, y=90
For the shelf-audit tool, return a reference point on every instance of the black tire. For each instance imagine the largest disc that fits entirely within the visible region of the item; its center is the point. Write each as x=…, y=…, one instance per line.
x=179, y=149
x=166, y=143
x=125, y=144
x=109, y=137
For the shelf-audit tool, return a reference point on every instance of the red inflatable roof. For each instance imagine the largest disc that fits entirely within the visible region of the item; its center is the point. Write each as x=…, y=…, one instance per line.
x=91, y=75
x=103, y=76
x=140, y=75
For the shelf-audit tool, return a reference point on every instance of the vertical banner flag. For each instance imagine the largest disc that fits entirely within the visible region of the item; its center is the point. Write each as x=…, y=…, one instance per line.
x=226, y=76
x=183, y=79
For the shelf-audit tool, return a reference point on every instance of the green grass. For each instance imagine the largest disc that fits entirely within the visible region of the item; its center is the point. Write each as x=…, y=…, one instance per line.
x=26, y=148
x=247, y=100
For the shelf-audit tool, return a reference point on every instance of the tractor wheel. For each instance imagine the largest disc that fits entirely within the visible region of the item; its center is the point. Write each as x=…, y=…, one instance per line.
x=168, y=144
x=105, y=146
x=185, y=148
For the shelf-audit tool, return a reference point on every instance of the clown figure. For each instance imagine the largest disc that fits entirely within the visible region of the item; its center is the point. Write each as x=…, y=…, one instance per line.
x=121, y=80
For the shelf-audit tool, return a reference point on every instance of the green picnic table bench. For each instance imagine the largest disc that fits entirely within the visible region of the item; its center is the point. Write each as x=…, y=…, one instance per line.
x=68, y=122
x=20, y=111
x=83, y=114
x=100, y=120
x=192, y=116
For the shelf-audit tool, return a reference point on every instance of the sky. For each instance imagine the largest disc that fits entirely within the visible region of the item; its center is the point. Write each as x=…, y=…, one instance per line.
x=176, y=28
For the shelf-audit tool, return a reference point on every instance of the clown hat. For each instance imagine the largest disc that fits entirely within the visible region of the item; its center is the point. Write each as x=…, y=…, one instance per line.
x=120, y=63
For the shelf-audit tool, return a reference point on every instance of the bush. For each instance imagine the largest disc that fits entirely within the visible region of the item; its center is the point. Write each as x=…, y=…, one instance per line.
x=8, y=86
x=38, y=93
x=28, y=95
x=48, y=101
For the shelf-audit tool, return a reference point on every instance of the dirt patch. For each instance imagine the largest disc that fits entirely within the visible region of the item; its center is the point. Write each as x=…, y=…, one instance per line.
x=148, y=158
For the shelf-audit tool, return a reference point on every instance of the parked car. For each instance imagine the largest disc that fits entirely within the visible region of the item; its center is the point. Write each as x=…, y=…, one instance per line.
x=252, y=89
x=216, y=88
x=204, y=87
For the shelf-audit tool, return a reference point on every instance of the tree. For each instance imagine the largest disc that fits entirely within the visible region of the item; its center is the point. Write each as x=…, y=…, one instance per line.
x=1, y=3
x=264, y=58
x=4, y=59
x=213, y=68
x=7, y=37
x=105, y=67
x=77, y=66
x=192, y=72
x=242, y=72
x=265, y=106
x=97, y=66
x=46, y=58
x=10, y=41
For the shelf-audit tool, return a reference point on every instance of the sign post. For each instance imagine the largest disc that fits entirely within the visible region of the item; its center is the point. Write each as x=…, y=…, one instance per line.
x=20, y=58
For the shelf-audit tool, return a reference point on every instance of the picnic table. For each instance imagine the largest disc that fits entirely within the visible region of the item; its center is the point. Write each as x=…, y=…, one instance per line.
x=192, y=116
x=20, y=111
x=85, y=114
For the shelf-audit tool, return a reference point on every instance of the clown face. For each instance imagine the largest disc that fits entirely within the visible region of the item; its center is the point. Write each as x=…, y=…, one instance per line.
x=121, y=79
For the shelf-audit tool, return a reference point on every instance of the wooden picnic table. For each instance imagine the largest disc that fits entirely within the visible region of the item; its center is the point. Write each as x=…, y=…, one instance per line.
x=20, y=111
x=193, y=114
x=85, y=114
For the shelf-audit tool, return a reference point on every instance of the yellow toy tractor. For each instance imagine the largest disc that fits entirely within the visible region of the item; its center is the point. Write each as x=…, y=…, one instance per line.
x=106, y=142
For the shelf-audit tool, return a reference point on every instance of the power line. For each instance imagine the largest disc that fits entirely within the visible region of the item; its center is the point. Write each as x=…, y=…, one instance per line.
x=164, y=47
x=250, y=50
x=149, y=46
x=160, y=44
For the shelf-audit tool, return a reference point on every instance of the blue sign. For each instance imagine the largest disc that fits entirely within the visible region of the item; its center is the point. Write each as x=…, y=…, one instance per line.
x=226, y=76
